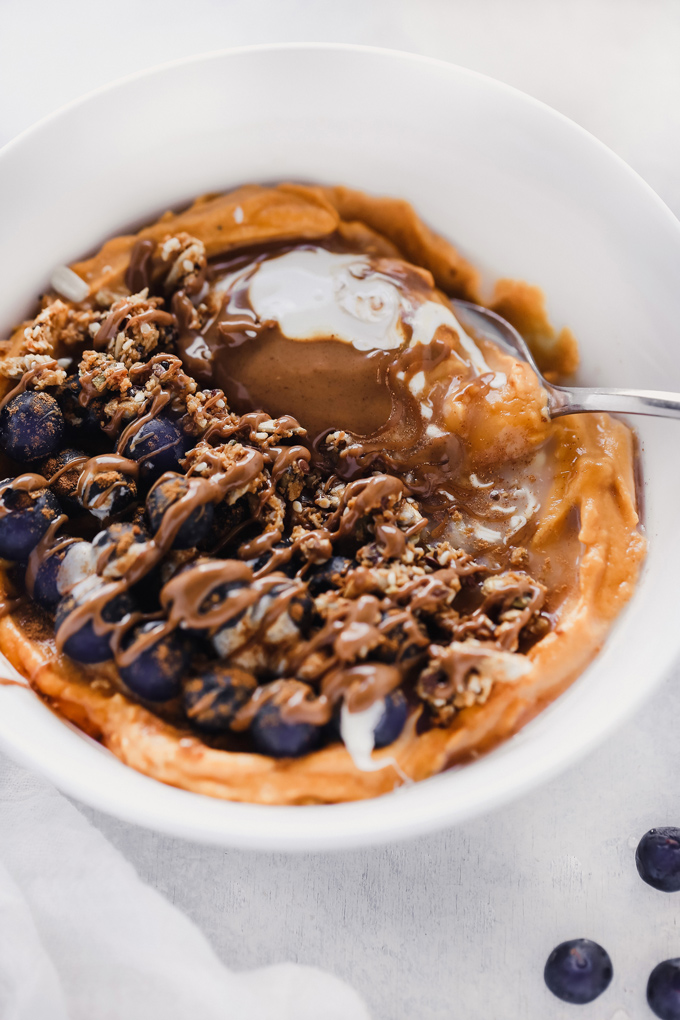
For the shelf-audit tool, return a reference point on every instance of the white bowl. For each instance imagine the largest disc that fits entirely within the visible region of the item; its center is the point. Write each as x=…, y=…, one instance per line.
x=523, y=191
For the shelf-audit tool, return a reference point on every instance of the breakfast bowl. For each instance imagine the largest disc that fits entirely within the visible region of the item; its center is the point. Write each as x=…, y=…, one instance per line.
x=522, y=192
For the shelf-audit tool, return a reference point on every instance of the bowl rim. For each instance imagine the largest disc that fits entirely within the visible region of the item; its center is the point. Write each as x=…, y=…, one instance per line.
x=136, y=798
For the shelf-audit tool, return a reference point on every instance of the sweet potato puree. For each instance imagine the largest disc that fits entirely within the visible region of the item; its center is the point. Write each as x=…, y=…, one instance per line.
x=461, y=422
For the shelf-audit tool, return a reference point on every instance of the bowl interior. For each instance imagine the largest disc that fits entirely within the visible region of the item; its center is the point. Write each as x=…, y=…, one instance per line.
x=521, y=190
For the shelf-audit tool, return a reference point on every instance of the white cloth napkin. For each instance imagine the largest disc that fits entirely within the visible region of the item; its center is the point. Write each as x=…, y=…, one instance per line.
x=83, y=938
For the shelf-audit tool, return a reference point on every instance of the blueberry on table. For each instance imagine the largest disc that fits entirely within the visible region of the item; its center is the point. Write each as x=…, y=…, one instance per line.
x=31, y=426
x=155, y=672
x=272, y=735
x=158, y=445
x=213, y=697
x=167, y=491
x=85, y=645
x=658, y=859
x=24, y=519
x=663, y=990
x=392, y=721
x=578, y=971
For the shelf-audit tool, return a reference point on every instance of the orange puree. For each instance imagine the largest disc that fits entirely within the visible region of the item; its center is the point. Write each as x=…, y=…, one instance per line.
x=558, y=497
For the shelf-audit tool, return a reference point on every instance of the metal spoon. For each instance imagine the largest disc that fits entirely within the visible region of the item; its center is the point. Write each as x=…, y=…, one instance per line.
x=566, y=399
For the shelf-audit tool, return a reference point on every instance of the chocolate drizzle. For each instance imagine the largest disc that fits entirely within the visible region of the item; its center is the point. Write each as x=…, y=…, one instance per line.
x=138, y=273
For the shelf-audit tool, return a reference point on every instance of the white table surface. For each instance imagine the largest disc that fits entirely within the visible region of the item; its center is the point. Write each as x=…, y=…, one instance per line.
x=456, y=925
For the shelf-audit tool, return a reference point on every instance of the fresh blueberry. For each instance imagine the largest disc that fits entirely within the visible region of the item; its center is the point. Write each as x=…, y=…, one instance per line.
x=79, y=563
x=289, y=568
x=392, y=721
x=222, y=593
x=31, y=426
x=327, y=575
x=24, y=519
x=85, y=645
x=165, y=494
x=45, y=590
x=399, y=643
x=158, y=445
x=658, y=859
x=280, y=739
x=155, y=673
x=65, y=486
x=108, y=493
x=663, y=990
x=68, y=395
x=298, y=616
x=80, y=418
x=213, y=697
x=578, y=971
x=120, y=541
x=302, y=612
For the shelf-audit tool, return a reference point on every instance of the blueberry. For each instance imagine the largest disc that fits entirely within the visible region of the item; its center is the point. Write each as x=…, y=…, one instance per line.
x=289, y=568
x=85, y=645
x=31, y=426
x=328, y=575
x=578, y=971
x=158, y=445
x=24, y=519
x=64, y=488
x=298, y=617
x=302, y=612
x=45, y=590
x=108, y=493
x=120, y=541
x=400, y=644
x=220, y=594
x=156, y=671
x=165, y=494
x=213, y=697
x=78, y=563
x=392, y=721
x=68, y=395
x=80, y=418
x=663, y=990
x=280, y=739
x=658, y=859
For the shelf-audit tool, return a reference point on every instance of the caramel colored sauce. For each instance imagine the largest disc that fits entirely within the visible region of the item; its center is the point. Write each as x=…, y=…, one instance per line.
x=322, y=383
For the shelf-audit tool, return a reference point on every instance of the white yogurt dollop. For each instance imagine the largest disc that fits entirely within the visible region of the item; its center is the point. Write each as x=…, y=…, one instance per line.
x=357, y=730
x=317, y=293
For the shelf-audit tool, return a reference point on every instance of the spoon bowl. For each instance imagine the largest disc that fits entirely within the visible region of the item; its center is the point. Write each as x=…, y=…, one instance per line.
x=564, y=400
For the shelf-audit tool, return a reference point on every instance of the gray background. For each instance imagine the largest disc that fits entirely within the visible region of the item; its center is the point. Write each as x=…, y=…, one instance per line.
x=456, y=925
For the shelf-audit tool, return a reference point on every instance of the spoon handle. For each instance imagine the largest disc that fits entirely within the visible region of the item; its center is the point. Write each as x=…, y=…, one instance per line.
x=583, y=398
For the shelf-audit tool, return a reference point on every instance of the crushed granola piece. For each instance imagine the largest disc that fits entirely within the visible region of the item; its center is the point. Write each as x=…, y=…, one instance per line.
x=187, y=259
x=206, y=460
x=137, y=326
x=206, y=408
x=45, y=371
x=101, y=373
x=463, y=673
